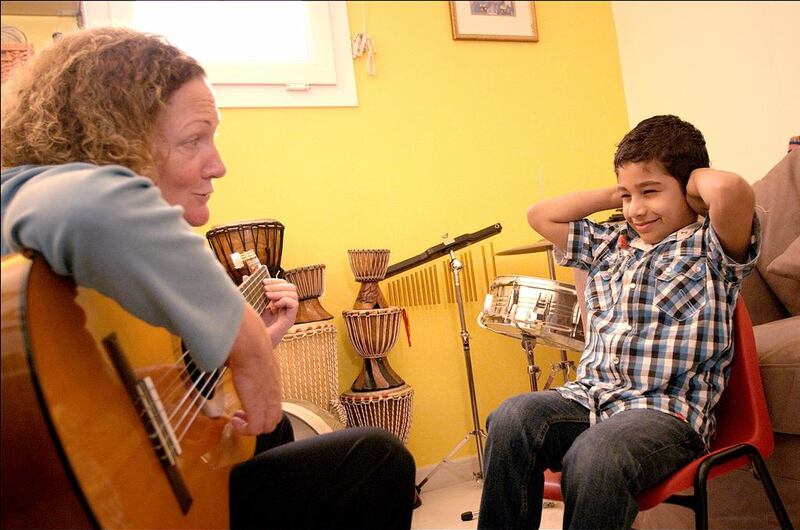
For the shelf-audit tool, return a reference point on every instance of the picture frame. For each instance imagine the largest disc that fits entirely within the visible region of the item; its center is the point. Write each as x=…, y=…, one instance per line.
x=504, y=20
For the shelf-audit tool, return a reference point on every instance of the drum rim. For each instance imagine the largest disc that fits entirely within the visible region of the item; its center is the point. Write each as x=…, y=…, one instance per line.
x=318, y=421
x=305, y=268
x=364, y=250
x=359, y=313
x=543, y=281
x=398, y=391
x=247, y=222
x=546, y=337
x=306, y=329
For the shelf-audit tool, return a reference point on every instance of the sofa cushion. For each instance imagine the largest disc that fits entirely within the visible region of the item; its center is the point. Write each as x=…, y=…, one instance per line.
x=778, y=346
x=762, y=304
x=777, y=199
x=788, y=263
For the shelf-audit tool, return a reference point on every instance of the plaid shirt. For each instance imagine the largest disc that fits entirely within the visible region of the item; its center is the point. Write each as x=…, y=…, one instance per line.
x=659, y=334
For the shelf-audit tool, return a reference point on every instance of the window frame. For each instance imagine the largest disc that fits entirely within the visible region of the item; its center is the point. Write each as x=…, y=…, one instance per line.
x=323, y=85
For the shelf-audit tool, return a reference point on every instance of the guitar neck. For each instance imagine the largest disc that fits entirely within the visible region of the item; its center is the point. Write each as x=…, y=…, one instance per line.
x=253, y=292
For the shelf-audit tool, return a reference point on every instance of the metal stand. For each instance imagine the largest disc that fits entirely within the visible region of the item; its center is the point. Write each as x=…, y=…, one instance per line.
x=477, y=432
x=529, y=345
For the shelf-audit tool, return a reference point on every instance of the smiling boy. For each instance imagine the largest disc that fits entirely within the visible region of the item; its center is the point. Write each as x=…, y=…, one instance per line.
x=660, y=294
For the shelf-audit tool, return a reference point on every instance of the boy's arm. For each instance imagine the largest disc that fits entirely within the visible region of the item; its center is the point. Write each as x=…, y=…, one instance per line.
x=551, y=218
x=729, y=202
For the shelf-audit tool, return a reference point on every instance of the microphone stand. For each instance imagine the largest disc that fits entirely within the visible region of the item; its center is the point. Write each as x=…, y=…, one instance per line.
x=477, y=432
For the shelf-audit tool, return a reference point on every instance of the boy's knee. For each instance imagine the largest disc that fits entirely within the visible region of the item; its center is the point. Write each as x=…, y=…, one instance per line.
x=511, y=414
x=586, y=462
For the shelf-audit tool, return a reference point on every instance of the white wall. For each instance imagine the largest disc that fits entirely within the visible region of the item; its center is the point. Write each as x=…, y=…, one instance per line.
x=730, y=68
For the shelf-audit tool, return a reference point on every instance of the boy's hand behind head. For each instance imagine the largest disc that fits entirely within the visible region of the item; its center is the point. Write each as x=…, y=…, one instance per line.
x=696, y=201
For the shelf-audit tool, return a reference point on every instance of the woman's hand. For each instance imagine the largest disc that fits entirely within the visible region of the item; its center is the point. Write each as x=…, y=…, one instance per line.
x=256, y=377
x=281, y=309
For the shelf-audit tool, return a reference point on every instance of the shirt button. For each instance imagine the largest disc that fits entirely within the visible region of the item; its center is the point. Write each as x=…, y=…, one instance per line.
x=615, y=359
x=630, y=286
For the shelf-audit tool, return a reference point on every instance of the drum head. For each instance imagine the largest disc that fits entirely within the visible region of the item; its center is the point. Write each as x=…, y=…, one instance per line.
x=308, y=419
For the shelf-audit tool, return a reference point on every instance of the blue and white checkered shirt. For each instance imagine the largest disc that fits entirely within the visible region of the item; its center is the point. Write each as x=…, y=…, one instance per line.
x=659, y=334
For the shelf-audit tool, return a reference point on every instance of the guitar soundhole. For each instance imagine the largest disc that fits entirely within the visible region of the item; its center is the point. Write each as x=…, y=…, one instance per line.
x=204, y=382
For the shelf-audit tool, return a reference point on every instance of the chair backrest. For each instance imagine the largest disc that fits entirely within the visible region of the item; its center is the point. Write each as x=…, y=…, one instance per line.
x=742, y=415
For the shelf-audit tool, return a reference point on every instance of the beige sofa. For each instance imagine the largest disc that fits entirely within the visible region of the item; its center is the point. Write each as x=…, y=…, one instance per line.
x=772, y=295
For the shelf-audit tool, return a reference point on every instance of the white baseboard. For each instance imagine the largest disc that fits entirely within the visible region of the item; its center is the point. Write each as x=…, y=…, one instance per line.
x=451, y=472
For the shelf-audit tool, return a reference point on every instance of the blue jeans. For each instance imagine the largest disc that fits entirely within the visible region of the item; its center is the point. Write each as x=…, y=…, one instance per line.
x=603, y=467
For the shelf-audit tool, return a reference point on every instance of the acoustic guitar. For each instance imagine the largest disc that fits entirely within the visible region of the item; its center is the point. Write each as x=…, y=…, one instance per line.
x=102, y=425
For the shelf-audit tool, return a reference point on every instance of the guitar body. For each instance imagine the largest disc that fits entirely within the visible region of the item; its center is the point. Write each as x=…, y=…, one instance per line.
x=75, y=451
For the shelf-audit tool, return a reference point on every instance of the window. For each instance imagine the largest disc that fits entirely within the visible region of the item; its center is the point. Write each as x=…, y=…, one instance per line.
x=256, y=54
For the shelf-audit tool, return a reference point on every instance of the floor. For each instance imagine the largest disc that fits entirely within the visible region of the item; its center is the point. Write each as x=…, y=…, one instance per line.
x=442, y=508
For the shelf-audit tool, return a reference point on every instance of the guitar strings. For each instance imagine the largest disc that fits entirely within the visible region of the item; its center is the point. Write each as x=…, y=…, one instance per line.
x=254, y=294
x=250, y=291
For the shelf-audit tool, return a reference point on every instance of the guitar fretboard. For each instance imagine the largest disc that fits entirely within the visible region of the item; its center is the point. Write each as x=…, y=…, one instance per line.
x=253, y=291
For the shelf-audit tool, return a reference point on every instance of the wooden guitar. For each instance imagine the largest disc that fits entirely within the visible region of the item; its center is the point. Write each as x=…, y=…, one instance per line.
x=101, y=425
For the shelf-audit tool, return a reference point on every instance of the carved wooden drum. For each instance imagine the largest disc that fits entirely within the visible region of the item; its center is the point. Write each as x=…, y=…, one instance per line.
x=310, y=366
x=310, y=283
x=369, y=268
x=264, y=236
x=390, y=409
x=373, y=332
x=369, y=265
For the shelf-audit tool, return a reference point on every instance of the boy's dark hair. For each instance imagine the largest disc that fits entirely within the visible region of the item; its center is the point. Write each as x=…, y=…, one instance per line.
x=675, y=144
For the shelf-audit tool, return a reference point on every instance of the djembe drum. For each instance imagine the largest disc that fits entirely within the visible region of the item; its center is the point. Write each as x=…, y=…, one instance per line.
x=373, y=332
x=378, y=397
x=310, y=283
x=264, y=236
x=369, y=268
x=390, y=409
x=309, y=366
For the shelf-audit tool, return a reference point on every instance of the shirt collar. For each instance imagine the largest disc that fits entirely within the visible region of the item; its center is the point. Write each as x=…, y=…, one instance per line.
x=678, y=235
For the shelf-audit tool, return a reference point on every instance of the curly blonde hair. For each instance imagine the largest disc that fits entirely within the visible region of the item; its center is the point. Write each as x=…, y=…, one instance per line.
x=93, y=96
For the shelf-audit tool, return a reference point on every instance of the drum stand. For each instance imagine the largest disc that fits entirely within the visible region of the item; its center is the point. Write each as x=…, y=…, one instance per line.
x=529, y=344
x=477, y=432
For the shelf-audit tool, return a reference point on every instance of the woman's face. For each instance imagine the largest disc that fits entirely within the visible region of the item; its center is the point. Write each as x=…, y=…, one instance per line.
x=188, y=160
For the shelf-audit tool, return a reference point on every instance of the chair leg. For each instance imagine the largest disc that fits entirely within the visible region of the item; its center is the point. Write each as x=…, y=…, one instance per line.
x=771, y=491
x=700, y=501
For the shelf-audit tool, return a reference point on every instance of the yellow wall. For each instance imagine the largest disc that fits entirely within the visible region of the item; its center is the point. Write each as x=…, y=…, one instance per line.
x=728, y=67
x=449, y=136
x=39, y=30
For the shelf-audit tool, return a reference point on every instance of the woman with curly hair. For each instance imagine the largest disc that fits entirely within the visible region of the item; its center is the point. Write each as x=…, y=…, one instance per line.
x=109, y=156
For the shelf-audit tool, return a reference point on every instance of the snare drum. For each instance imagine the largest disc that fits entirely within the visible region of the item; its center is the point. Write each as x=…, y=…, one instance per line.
x=264, y=236
x=545, y=309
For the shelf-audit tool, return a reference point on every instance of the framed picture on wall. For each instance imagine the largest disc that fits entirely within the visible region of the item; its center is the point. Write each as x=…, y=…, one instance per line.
x=493, y=20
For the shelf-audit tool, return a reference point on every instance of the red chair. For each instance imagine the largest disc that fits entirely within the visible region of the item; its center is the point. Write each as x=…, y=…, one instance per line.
x=744, y=435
